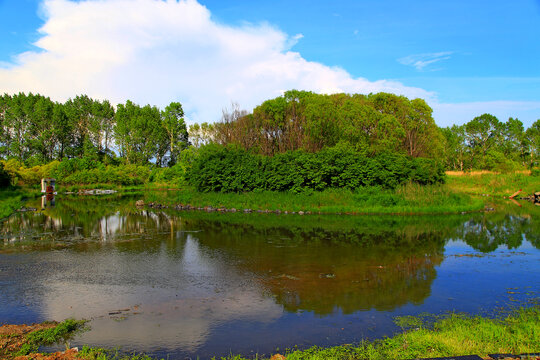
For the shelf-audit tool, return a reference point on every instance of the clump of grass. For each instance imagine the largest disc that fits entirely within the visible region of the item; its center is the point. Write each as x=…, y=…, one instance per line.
x=61, y=332
x=90, y=353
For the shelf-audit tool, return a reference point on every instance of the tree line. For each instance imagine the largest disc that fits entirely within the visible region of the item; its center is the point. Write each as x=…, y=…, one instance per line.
x=489, y=144
x=373, y=124
x=35, y=130
x=87, y=135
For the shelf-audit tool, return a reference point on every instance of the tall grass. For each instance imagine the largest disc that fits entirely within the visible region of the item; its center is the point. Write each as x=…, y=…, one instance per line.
x=407, y=199
x=494, y=184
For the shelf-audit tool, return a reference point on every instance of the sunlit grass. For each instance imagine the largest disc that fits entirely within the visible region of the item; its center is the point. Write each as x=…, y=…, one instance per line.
x=494, y=184
x=452, y=335
x=408, y=199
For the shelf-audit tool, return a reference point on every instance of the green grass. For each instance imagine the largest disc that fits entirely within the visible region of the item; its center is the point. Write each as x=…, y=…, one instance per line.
x=90, y=353
x=493, y=184
x=10, y=200
x=452, y=335
x=408, y=199
x=60, y=333
x=13, y=198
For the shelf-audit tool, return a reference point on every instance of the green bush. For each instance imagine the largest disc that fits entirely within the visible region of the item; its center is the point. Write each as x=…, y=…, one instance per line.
x=119, y=175
x=232, y=169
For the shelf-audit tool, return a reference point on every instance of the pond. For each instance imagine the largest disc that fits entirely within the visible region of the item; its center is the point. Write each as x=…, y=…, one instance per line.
x=196, y=284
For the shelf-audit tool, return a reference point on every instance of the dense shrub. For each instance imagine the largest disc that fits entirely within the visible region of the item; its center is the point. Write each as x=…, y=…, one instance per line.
x=232, y=169
x=20, y=174
x=118, y=175
x=68, y=167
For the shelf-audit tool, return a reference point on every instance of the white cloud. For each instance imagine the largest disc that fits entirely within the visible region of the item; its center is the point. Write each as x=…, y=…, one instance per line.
x=422, y=61
x=153, y=51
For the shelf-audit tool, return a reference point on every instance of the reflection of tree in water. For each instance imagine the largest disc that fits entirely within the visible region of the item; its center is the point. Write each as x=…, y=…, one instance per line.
x=313, y=263
x=486, y=232
x=322, y=271
x=85, y=224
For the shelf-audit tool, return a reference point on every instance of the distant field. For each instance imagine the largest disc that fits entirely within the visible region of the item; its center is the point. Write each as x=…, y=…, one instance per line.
x=493, y=184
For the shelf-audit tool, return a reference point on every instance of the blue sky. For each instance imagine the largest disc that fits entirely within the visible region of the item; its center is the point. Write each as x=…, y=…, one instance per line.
x=465, y=57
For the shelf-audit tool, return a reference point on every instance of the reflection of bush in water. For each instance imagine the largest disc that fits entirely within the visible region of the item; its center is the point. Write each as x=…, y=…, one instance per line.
x=358, y=286
x=320, y=270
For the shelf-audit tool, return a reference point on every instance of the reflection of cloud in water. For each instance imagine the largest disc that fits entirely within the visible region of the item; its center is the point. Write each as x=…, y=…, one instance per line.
x=206, y=293
x=108, y=226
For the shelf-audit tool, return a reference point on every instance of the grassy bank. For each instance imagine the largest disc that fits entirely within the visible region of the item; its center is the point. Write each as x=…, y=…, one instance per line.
x=451, y=335
x=407, y=199
x=10, y=200
x=493, y=184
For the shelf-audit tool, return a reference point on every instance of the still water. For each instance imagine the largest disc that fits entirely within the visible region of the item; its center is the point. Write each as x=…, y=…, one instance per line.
x=188, y=284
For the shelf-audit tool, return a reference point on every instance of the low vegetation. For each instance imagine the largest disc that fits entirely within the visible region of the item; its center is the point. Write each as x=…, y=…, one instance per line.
x=451, y=335
x=495, y=184
x=409, y=198
x=10, y=200
x=233, y=169
x=19, y=341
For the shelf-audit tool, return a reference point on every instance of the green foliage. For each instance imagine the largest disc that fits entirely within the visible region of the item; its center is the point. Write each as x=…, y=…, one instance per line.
x=10, y=200
x=302, y=120
x=90, y=353
x=62, y=332
x=232, y=169
x=486, y=143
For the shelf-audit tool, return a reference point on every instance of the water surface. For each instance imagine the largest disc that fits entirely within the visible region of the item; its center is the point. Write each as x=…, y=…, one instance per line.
x=188, y=284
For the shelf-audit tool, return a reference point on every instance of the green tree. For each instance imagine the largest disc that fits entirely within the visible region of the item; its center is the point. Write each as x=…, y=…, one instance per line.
x=135, y=131
x=455, y=151
x=482, y=133
x=174, y=125
x=79, y=112
x=532, y=141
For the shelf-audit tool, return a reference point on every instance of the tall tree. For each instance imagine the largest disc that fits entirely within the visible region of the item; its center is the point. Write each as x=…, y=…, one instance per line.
x=135, y=130
x=174, y=125
x=482, y=133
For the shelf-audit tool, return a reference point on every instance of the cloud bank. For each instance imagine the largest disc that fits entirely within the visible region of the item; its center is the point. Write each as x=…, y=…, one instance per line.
x=153, y=51
x=159, y=51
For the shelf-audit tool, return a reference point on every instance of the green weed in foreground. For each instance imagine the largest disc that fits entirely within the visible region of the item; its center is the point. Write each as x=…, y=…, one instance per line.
x=62, y=332
x=451, y=335
x=102, y=354
x=454, y=335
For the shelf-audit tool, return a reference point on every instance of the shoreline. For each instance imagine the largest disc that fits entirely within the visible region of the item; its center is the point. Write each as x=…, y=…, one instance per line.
x=424, y=336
